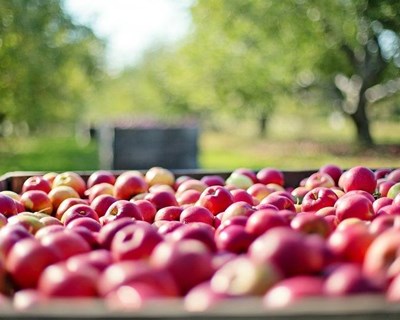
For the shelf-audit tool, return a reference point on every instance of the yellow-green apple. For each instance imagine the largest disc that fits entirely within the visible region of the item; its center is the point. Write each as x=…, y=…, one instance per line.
x=28, y=220
x=159, y=175
x=247, y=172
x=394, y=191
x=36, y=183
x=271, y=175
x=239, y=180
x=298, y=193
x=71, y=179
x=37, y=200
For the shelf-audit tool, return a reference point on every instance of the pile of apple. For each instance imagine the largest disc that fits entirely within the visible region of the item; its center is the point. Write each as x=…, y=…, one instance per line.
x=139, y=237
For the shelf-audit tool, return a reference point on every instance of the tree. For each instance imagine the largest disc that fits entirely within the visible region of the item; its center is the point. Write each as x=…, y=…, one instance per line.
x=48, y=63
x=253, y=51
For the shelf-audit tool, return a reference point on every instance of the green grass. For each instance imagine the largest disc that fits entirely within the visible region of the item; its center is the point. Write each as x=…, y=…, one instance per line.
x=292, y=144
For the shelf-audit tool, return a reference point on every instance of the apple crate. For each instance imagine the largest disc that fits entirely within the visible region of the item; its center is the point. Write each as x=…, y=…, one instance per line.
x=372, y=306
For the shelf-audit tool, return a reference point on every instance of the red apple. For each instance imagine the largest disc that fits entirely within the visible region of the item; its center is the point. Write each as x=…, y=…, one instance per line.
x=37, y=200
x=384, y=186
x=49, y=177
x=382, y=173
x=70, y=179
x=100, y=176
x=162, y=199
x=190, y=196
x=99, y=189
x=147, y=209
x=358, y=178
x=121, y=209
x=87, y=222
x=216, y=199
x=384, y=222
x=165, y=227
x=240, y=208
x=354, y=206
x=247, y=172
x=393, y=291
x=234, y=238
x=390, y=209
x=191, y=184
x=128, y=185
x=289, y=291
x=318, y=198
x=271, y=175
x=78, y=211
x=169, y=213
x=7, y=206
x=59, y=281
x=26, y=261
x=202, y=298
x=309, y=223
x=333, y=170
x=66, y=204
x=279, y=201
x=133, y=242
x=196, y=214
x=188, y=261
x=27, y=300
x=242, y=195
x=36, y=183
x=102, y=203
x=99, y=259
x=10, y=235
x=213, y=180
x=262, y=220
x=107, y=232
x=394, y=175
x=319, y=179
x=195, y=231
x=259, y=191
x=380, y=203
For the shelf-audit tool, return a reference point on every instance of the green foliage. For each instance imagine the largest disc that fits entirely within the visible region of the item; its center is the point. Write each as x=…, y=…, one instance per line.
x=48, y=63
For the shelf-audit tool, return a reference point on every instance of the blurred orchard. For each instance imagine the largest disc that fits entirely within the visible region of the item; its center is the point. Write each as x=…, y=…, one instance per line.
x=300, y=70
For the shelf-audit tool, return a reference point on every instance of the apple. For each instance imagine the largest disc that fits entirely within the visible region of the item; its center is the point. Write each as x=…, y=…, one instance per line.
x=202, y=298
x=394, y=191
x=351, y=243
x=49, y=221
x=100, y=176
x=136, y=271
x=147, y=209
x=196, y=214
x=159, y=175
x=27, y=300
x=26, y=261
x=259, y=191
x=162, y=199
x=333, y=170
x=99, y=259
x=242, y=277
x=10, y=234
x=234, y=238
x=191, y=184
x=37, y=200
x=28, y=220
x=78, y=211
x=160, y=187
x=195, y=231
x=394, y=175
x=298, y=193
x=99, y=189
x=383, y=186
x=165, y=227
x=358, y=178
x=216, y=199
x=87, y=222
x=239, y=180
x=346, y=279
x=270, y=175
x=363, y=193
x=390, y=209
x=326, y=211
x=36, y=183
x=3, y=220
x=286, y=249
x=380, y=203
x=309, y=223
x=242, y=195
x=129, y=184
x=393, y=290
x=188, y=261
x=66, y=204
x=247, y=172
x=101, y=204
x=382, y=259
x=7, y=206
x=240, y=208
x=354, y=206
x=65, y=243
x=50, y=176
x=70, y=179
x=190, y=196
x=58, y=281
x=279, y=201
x=121, y=209
x=262, y=220
x=292, y=290
x=169, y=213
x=319, y=179
x=135, y=241
x=384, y=222
x=108, y=231
x=58, y=194
x=213, y=180
x=318, y=198
x=381, y=173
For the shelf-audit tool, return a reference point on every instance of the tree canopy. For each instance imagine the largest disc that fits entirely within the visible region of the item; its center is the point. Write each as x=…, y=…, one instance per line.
x=48, y=63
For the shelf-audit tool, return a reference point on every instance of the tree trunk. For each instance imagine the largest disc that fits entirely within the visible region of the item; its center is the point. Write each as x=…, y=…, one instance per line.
x=262, y=124
x=361, y=122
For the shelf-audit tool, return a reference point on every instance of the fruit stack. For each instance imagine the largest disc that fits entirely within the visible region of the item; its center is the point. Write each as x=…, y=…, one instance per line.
x=136, y=237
